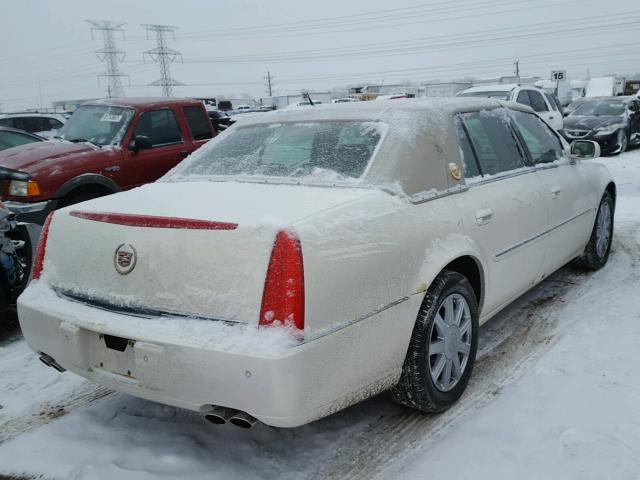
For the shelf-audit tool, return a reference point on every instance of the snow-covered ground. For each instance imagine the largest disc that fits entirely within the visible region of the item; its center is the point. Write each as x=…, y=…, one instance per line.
x=554, y=395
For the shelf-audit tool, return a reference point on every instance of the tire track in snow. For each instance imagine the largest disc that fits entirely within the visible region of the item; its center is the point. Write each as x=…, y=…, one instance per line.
x=509, y=344
x=83, y=396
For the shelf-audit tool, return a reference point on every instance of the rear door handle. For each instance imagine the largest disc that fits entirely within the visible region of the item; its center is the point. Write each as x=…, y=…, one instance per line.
x=184, y=154
x=483, y=216
x=555, y=191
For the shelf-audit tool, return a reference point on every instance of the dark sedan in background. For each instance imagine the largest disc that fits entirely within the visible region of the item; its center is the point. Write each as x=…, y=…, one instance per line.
x=613, y=122
x=10, y=137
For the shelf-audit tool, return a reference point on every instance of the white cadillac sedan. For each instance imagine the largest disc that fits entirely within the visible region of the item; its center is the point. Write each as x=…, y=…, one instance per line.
x=306, y=260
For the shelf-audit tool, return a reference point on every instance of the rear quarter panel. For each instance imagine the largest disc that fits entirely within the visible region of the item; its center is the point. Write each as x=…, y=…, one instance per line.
x=365, y=256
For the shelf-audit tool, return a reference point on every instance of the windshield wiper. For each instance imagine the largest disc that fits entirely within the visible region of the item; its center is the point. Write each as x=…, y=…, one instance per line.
x=84, y=140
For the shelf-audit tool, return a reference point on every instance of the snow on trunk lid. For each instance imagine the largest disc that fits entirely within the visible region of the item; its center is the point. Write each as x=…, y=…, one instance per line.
x=144, y=265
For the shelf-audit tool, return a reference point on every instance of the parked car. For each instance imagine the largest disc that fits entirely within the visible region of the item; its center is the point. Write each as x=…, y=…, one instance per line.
x=276, y=276
x=302, y=104
x=392, y=96
x=106, y=146
x=15, y=255
x=10, y=137
x=542, y=102
x=613, y=122
x=344, y=100
x=219, y=120
x=43, y=124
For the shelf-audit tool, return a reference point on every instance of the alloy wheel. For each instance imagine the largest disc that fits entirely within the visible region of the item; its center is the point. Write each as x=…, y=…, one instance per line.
x=450, y=342
x=603, y=229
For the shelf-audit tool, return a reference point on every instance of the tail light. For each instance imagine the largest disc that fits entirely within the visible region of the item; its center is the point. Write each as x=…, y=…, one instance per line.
x=38, y=260
x=283, y=296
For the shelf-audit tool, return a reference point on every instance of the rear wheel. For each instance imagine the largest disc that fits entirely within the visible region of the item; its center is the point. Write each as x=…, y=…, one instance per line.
x=623, y=141
x=79, y=197
x=443, y=346
x=596, y=253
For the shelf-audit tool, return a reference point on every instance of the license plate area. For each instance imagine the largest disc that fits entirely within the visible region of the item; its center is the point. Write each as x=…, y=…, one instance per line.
x=113, y=354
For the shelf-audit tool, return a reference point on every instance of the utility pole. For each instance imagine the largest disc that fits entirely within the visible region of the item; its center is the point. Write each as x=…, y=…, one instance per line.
x=110, y=55
x=269, y=84
x=517, y=64
x=39, y=93
x=163, y=56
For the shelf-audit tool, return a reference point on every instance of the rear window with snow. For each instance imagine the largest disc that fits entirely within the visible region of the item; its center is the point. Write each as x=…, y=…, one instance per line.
x=329, y=150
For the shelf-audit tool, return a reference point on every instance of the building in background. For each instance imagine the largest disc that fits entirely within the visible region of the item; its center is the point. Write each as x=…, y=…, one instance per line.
x=69, y=105
x=442, y=89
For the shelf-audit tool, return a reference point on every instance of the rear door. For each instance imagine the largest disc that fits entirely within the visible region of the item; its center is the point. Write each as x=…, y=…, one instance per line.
x=169, y=143
x=199, y=126
x=564, y=188
x=541, y=106
x=502, y=210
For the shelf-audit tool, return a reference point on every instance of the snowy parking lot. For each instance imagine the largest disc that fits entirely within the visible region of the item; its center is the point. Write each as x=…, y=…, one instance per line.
x=553, y=395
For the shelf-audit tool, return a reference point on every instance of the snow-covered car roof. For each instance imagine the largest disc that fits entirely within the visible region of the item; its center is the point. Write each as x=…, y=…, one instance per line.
x=499, y=87
x=419, y=137
x=57, y=116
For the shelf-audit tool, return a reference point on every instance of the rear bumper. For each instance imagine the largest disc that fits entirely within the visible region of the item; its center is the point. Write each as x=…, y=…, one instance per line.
x=32, y=212
x=283, y=387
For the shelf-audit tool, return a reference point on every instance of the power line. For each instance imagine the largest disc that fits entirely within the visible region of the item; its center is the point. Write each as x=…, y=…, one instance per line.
x=163, y=56
x=110, y=55
x=418, y=45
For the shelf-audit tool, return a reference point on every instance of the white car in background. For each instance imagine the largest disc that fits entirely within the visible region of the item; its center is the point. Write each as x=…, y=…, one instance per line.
x=300, y=263
x=344, y=100
x=45, y=125
x=539, y=100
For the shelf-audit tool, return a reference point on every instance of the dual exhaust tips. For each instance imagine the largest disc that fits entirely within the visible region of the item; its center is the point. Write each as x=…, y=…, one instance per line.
x=217, y=415
x=222, y=415
x=50, y=362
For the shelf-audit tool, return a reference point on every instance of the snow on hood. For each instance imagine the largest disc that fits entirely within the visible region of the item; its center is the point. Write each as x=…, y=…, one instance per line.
x=591, y=122
x=34, y=156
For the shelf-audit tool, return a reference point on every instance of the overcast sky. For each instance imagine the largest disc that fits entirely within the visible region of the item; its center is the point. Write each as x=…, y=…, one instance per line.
x=47, y=51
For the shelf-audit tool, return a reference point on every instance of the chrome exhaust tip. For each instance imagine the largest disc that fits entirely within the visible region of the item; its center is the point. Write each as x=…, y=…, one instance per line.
x=243, y=420
x=50, y=362
x=220, y=415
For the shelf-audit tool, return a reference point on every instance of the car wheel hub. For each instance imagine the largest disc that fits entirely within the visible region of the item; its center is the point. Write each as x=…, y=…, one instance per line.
x=603, y=230
x=450, y=342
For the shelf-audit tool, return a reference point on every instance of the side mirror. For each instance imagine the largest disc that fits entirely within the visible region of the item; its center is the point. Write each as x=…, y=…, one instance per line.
x=584, y=149
x=141, y=142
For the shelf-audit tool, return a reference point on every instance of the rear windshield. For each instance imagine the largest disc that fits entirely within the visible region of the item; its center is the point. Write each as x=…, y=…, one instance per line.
x=597, y=108
x=327, y=150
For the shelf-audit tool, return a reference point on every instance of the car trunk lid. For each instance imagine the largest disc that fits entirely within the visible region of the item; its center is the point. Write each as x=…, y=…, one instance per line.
x=198, y=249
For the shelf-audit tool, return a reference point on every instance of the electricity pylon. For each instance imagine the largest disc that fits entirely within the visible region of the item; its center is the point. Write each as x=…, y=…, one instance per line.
x=163, y=56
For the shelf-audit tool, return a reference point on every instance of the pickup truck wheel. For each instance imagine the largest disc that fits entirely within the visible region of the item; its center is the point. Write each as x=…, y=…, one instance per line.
x=596, y=253
x=443, y=346
x=79, y=197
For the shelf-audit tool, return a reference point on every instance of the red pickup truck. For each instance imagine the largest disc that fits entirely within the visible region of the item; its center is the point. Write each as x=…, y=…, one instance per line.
x=105, y=147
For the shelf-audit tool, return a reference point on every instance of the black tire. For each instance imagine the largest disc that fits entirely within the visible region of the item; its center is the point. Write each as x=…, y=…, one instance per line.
x=416, y=388
x=623, y=141
x=593, y=258
x=5, y=318
x=79, y=197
